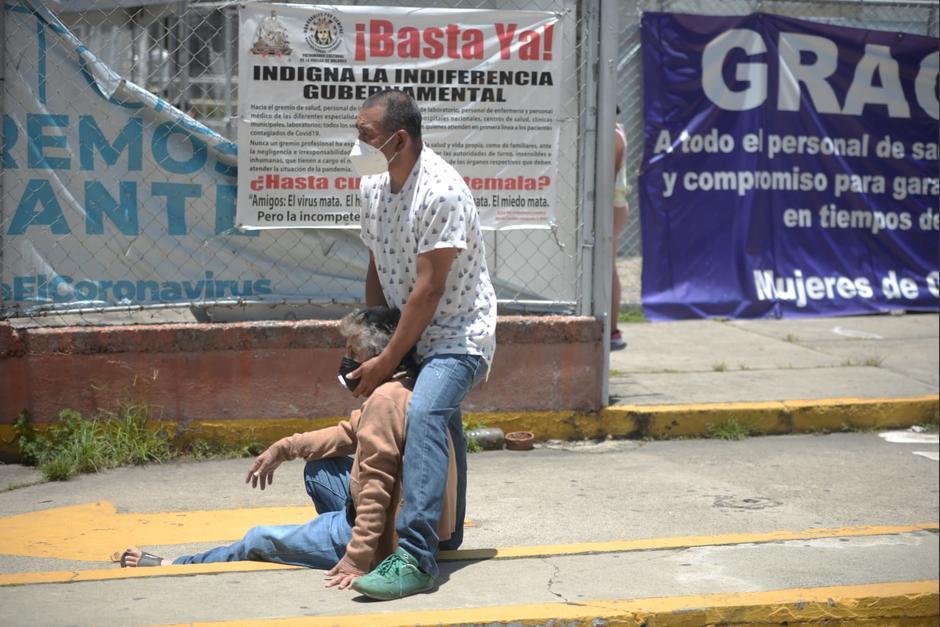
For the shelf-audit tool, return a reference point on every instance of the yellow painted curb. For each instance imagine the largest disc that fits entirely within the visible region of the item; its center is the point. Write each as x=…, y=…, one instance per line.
x=633, y=421
x=519, y=552
x=860, y=413
x=699, y=419
x=907, y=603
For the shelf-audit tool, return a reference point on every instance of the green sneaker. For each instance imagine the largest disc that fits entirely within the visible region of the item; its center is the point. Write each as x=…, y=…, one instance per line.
x=397, y=576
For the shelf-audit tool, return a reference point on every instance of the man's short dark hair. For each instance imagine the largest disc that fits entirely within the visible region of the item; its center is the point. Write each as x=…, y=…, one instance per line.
x=401, y=111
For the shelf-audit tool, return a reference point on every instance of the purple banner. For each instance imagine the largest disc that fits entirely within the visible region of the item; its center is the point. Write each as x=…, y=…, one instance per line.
x=789, y=169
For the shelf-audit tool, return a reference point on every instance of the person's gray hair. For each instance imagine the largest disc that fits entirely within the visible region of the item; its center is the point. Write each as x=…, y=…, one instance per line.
x=371, y=327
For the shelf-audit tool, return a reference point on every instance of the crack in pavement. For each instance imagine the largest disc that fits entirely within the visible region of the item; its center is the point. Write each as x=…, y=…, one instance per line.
x=551, y=582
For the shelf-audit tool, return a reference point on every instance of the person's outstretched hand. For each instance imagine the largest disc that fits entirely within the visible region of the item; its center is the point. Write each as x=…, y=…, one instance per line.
x=342, y=575
x=371, y=374
x=262, y=470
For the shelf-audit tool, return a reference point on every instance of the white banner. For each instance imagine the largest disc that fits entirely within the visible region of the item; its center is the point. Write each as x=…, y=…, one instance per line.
x=113, y=197
x=488, y=84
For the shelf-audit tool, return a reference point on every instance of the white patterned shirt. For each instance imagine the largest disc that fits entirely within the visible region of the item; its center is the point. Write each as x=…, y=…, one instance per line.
x=434, y=209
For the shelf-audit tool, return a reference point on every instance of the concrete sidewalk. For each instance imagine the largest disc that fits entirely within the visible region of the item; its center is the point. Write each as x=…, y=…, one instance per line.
x=706, y=361
x=799, y=528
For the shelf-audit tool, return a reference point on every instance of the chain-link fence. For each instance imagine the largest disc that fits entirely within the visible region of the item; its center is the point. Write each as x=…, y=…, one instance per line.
x=52, y=255
x=55, y=229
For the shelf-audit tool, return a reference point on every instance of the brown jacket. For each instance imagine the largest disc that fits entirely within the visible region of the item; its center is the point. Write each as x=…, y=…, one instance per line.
x=375, y=435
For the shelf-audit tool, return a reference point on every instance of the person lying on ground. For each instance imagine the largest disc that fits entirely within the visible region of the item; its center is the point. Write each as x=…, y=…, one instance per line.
x=356, y=498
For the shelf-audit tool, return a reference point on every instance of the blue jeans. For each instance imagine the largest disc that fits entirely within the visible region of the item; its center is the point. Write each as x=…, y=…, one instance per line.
x=443, y=382
x=319, y=543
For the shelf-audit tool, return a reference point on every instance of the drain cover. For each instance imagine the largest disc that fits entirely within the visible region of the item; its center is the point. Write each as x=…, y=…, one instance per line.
x=747, y=502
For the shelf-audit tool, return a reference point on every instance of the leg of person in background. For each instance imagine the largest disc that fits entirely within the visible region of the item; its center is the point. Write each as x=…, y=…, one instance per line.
x=616, y=339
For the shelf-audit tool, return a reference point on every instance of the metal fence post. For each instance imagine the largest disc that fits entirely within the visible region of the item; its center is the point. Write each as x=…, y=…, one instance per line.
x=587, y=106
x=608, y=32
x=3, y=91
x=230, y=76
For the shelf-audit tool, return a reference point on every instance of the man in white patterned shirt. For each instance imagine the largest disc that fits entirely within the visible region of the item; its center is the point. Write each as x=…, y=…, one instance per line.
x=426, y=258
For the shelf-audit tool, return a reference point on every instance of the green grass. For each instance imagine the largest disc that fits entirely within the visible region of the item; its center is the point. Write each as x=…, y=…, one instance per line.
x=631, y=315
x=469, y=424
x=203, y=449
x=124, y=437
x=720, y=366
x=730, y=429
x=791, y=338
x=873, y=361
x=77, y=445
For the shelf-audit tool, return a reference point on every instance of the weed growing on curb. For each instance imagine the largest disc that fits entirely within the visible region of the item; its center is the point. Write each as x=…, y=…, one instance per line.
x=793, y=339
x=203, y=449
x=729, y=429
x=110, y=439
x=873, y=361
x=76, y=445
x=631, y=315
x=469, y=425
x=720, y=366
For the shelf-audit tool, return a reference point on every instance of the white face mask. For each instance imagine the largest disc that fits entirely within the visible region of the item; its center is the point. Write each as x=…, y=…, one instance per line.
x=368, y=160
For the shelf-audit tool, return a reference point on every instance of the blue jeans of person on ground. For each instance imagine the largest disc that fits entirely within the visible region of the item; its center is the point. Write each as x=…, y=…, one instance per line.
x=434, y=409
x=319, y=543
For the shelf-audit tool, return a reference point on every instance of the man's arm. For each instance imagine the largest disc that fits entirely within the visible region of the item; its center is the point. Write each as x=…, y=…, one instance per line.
x=432, y=270
x=374, y=294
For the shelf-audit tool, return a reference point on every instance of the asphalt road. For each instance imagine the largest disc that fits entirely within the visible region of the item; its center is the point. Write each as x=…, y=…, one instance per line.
x=735, y=494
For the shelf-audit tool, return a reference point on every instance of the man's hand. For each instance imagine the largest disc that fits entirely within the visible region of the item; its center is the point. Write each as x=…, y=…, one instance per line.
x=371, y=374
x=342, y=575
x=262, y=470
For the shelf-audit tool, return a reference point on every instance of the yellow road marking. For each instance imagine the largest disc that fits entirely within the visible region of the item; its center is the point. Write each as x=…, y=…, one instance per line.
x=863, y=603
x=92, y=531
x=653, y=544
x=116, y=572
x=14, y=579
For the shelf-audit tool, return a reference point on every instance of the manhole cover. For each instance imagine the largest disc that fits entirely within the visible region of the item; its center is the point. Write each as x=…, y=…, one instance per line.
x=747, y=502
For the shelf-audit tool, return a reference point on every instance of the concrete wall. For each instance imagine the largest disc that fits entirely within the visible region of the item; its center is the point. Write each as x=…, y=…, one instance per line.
x=280, y=374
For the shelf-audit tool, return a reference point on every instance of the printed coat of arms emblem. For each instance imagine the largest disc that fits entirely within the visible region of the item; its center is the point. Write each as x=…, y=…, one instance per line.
x=323, y=32
x=271, y=38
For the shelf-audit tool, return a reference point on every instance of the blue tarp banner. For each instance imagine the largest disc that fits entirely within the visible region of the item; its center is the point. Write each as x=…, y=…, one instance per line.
x=789, y=169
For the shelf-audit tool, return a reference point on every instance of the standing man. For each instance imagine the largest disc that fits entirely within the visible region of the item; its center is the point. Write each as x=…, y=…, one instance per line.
x=426, y=257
